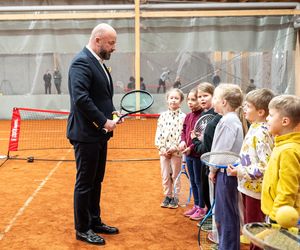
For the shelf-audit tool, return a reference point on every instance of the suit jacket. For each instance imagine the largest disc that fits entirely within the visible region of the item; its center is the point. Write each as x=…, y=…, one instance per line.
x=90, y=99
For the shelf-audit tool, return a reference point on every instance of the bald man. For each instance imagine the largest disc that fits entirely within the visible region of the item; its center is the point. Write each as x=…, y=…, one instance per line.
x=91, y=93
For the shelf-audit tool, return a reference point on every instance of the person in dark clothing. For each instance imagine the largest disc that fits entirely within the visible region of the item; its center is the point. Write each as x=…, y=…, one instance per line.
x=131, y=84
x=204, y=146
x=205, y=92
x=143, y=85
x=57, y=80
x=251, y=86
x=47, y=79
x=177, y=83
x=91, y=101
x=216, y=80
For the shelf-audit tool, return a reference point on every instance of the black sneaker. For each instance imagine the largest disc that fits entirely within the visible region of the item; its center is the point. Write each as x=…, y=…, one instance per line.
x=173, y=203
x=166, y=202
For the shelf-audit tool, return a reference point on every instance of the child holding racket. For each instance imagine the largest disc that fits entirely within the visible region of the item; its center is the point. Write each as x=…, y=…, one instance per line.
x=282, y=177
x=205, y=93
x=192, y=158
x=255, y=153
x=228, y=136
x=167, y=138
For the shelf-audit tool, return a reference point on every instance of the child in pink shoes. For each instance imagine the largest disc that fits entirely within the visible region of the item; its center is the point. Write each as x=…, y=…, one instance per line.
x=195, y=213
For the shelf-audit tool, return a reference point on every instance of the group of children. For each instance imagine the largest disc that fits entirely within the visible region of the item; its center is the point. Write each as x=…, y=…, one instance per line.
x=263, y=129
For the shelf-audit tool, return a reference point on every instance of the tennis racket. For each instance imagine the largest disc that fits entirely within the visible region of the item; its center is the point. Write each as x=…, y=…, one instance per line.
x=272, y=236
x=182, y=186
x=220, y=159
x=133, y=102
x=205, y=225
x=200, y=125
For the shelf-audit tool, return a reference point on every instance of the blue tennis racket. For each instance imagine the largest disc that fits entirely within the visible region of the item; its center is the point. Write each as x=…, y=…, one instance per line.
x=221, y=159
x=182, y=186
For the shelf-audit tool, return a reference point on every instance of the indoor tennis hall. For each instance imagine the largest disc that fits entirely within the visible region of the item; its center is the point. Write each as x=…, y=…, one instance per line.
x=253, y=44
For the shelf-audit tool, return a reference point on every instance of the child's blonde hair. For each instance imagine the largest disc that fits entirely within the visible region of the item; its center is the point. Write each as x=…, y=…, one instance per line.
x=260, y=99
x=206, y=87
x=287, y=105
x=179, y=91
x=233, y=94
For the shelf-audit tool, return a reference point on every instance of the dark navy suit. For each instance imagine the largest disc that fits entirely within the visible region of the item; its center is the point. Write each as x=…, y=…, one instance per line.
x=91, y=105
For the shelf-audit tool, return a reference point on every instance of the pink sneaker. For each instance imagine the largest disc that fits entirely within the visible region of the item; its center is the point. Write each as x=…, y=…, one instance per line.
x=191, y=211
x=199, y=214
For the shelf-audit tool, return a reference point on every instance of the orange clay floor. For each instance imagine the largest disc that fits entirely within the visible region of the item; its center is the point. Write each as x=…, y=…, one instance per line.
x=36, y=206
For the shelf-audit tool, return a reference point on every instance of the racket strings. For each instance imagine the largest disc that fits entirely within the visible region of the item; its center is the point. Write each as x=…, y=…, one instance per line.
x=222, y=158
x=273, y=238
x=135, y=101
x=183, y=190
x=201, y=125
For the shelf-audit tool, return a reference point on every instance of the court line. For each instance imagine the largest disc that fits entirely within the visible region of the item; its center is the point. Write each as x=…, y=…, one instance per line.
x=28, y=201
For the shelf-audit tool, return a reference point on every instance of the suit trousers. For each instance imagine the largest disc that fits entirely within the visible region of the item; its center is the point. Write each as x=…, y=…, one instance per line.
x=90, y=164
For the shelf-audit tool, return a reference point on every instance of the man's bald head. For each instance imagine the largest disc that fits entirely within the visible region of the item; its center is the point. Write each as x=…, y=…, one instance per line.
x=103, y=40
x=102, y=29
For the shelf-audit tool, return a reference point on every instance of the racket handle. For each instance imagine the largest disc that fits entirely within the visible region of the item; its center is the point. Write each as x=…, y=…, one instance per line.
x=115, y=118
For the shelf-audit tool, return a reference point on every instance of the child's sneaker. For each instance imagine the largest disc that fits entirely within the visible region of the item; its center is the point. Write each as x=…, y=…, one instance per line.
x=191, y=211
x=173, y=203
x=199, y=214
x=211, y=237
x=166, y=202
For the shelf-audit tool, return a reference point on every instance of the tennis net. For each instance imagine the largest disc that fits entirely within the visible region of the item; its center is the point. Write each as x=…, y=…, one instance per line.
x=42, y=134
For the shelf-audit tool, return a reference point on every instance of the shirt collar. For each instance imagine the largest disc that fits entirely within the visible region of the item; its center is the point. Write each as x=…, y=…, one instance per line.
x=95, y=55
x=174, y=111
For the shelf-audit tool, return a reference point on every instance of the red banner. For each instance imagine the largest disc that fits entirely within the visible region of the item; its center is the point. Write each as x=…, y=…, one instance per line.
x=14, y=130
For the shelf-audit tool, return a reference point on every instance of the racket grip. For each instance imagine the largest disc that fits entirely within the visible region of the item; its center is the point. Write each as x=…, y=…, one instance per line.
x=115, y=118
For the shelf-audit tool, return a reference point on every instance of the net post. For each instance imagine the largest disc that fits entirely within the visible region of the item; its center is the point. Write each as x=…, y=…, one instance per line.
x=14, y=131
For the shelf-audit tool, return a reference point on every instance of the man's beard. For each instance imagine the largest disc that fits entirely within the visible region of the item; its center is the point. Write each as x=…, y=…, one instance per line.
x=104, y=55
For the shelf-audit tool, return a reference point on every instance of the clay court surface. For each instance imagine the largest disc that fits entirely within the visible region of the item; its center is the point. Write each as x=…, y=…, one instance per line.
x=36, y=204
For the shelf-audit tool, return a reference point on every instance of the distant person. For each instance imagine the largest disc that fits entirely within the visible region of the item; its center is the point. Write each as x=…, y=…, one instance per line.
x=216, y=80
x=162, y=80
x=251, y=86
x=47, y=79
x=131, y=84
x=177, y=83
x=142, y=84
x=57, y=80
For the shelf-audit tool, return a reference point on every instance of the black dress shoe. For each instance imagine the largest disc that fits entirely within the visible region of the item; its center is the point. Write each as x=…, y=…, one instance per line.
x=104, y=229
x=90, y=237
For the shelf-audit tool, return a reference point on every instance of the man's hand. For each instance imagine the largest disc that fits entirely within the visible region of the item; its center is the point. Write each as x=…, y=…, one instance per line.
x=116, y=115
x=110, y=125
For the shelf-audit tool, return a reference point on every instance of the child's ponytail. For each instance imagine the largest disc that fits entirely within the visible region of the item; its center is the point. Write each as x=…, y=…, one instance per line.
x=243, y=120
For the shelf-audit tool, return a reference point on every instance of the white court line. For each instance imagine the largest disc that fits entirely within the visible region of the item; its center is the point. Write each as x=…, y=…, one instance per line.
x=28, y=201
